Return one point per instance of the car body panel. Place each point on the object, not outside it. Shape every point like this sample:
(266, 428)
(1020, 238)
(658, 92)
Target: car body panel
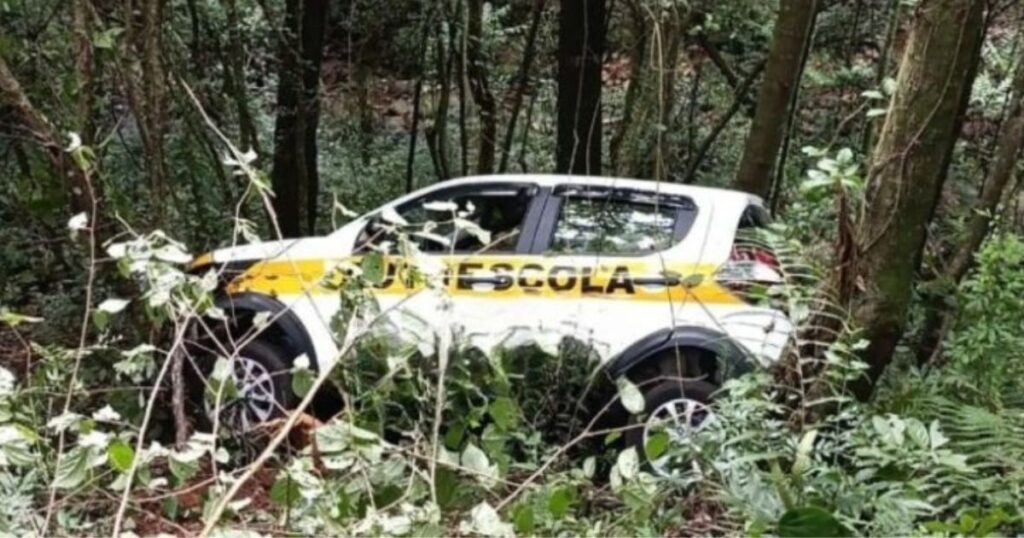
(608, 301)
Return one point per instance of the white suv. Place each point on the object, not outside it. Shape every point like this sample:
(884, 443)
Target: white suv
(649, 274)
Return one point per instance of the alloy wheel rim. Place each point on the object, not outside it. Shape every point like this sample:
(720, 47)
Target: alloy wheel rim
(682, 419)
(255, 401)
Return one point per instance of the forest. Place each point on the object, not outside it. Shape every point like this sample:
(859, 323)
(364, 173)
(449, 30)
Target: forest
(138, 137)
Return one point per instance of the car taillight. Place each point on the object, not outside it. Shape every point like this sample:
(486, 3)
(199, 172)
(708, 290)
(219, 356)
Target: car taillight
(750, 272)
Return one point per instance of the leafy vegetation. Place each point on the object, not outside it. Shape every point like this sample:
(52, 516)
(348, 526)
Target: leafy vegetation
(135, 133)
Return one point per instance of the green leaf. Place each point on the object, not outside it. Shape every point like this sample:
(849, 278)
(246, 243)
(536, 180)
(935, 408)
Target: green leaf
(106, 39)
(476, 461)
(631, 397)
(372, 265)
(692, 281)
(504, 412)
(523, 519)
(120, 456)
(100, 319)
(918, 433)
(446, 487)
(656, 445)
(810, 521)
(453, 437)
(589, 466)
(628, 464)
(803, 453)
(14, 319)
(182, 470)
(302, 382)
(559, 502)
(170, 507)
(285, 491)
(72, 469)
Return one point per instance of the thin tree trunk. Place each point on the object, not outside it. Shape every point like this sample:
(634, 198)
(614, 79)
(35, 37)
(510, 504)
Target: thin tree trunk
(294, 170)
(81, 30)
(463, 83)
(437, 134)
(37, 127)
(154, 89)
(794, 99)
(314, 26)
(728, 72)
(883, 66)
(782, 76)
(581, 39)
(365, 112)
(288, 170)
(642, 150)
(909, 166)
(195, 46)
(235, 69)
(524, 141)
(691, 114)
(476, 70)
(638, 68)
(853, 39)
(737, 102)
(416, 99)
(1007, 154)
(182, 427)
(522, 81)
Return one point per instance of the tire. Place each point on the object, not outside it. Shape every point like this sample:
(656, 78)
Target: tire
(659, 394)
(262, 374)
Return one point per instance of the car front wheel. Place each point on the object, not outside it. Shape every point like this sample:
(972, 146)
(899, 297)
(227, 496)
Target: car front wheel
(260, 389)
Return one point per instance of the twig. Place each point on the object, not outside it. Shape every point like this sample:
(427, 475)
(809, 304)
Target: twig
(82, 336)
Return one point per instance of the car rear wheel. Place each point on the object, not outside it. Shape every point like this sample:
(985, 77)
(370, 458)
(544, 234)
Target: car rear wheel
(675, 410)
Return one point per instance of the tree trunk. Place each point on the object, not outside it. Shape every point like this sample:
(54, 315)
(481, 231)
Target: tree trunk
(909, 166)
(882, 68)
(1008, 151)
(641, 153)
(153, 112)
(781, 77)
(37, 127)
(82, 30)
(741, 93)
(775, 190)
(417, 98)
(294, 171)
(522, 81)
(638, 64)
(478, 86)
(581, 37)
(437, 134)
(235, 71)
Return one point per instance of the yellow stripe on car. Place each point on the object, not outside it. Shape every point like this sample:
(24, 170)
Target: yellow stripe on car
(507, 277)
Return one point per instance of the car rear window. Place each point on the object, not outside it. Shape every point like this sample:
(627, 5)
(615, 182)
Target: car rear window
(618, 222)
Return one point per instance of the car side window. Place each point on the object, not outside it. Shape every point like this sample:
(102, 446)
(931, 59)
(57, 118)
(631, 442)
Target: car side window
(617, 222)
(484, 219)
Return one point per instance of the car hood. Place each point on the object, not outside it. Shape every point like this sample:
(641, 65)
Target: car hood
(295, 249)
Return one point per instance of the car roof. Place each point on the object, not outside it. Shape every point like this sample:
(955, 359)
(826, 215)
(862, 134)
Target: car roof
(550, 180)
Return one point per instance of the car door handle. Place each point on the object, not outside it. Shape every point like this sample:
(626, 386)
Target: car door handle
(667, 279)
(496, 282)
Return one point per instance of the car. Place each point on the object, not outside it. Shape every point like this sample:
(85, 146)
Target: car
(652, 275)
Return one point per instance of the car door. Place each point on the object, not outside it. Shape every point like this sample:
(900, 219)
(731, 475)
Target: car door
(478, 233)
(614, 241)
